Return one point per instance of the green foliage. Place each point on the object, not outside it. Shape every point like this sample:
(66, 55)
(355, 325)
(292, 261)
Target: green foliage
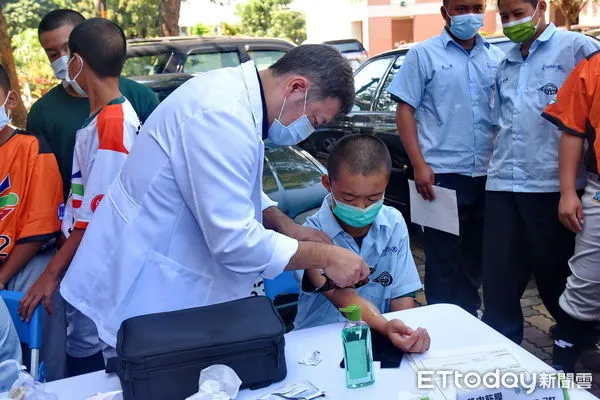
(230, 29)
(138, 18)
(35, 74)
(199, 30)
(25, 14)
(272, 18)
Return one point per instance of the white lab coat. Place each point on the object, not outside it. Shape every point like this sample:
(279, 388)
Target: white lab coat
(181, 225)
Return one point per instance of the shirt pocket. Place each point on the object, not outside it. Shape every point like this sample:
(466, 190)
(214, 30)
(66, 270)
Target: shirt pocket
(162, 285)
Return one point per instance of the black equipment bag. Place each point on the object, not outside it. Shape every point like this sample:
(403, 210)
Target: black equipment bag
(160, 356)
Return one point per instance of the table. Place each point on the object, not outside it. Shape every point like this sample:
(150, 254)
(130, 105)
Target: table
(449, 327)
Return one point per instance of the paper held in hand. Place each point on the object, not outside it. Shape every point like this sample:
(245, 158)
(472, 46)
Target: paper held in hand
(441, 213)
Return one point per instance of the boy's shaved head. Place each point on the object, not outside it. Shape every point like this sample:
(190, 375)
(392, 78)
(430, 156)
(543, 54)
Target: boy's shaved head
(101, 43)
(359, 154)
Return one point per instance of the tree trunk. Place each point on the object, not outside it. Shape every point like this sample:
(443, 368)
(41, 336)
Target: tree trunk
(19, 114)
(169, 17)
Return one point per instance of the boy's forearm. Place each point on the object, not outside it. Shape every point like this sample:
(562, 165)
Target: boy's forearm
(20, 255)
(571, 149)
(341, 298)
(402, 303)
(62, 259)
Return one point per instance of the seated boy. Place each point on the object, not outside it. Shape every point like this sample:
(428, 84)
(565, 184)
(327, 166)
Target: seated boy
(97, 50)
(354, 217)
(31, 204)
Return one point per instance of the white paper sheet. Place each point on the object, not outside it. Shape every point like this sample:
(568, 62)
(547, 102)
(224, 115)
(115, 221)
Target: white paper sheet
(477, 358)
(441, 213)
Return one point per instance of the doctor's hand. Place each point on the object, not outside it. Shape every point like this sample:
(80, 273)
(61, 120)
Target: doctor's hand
(306, 234)
(424, 181)
(345, 268)
(42, 291)
(407, 339)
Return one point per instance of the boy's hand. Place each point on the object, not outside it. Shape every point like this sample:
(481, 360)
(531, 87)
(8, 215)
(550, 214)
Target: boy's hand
(345, 268)
(43, 290)
(570, 212)
(407, 339)
(307, 234)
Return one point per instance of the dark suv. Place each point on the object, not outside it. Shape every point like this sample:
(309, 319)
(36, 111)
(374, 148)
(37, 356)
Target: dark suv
(194, 55)
(374, 113)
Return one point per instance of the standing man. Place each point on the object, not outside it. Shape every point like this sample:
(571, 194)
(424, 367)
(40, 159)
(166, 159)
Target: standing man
(577, 113)
(56, 117)
(444, 120)
(63, 110)
(186, 223)
(522, 232)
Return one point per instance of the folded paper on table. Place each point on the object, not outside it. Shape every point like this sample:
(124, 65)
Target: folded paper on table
(441, 213)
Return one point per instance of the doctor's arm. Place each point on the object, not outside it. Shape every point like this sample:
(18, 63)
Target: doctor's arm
(275, 219)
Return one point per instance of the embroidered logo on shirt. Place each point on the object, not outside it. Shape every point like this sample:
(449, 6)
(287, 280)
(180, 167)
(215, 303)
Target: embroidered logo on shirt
(557, 67)
(390, 250)
(385, 279)
(447, 66)
(597, 197)
(8, 201)
(549, 89)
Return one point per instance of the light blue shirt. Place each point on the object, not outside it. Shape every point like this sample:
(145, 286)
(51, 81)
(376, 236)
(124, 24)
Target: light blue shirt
(450, 90)
(525, 157)
(385, 248)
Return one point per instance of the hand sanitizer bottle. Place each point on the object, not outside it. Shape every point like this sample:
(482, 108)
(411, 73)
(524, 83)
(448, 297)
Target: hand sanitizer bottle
(358, 355)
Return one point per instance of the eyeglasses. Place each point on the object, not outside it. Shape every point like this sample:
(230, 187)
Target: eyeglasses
(308, 287)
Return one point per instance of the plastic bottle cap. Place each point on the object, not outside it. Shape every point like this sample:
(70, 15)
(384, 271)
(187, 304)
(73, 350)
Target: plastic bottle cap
(353, 312)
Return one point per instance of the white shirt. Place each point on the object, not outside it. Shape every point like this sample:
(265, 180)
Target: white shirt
(181, 225)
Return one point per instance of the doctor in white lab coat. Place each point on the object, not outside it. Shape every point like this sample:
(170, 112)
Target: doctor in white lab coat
(186, 223)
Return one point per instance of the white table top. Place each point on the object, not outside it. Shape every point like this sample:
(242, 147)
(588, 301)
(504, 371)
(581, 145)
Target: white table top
(449, 327)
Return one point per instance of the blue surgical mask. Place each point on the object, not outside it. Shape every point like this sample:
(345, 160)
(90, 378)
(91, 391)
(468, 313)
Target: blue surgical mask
(354, 216)
(465, 26)
(73, 81)
(4, 118)
(60, 68)
(294, 133)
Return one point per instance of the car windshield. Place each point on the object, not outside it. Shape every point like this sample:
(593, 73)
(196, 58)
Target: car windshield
(348, 47)
(265, 58)
(146, 64)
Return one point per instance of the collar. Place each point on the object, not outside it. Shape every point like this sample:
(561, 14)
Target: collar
(332, 228)
(447, 39)
(253, 91)
(514, 54)
(265, 122)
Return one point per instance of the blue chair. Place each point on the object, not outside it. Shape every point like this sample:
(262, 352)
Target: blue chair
(29, 333)
(283, 290)
(284, 283)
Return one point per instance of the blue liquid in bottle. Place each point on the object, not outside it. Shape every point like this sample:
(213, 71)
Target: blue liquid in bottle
(358, 356)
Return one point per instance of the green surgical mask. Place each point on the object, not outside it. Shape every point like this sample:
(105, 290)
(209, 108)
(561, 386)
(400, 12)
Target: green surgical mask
(522, 30)
(354, 216)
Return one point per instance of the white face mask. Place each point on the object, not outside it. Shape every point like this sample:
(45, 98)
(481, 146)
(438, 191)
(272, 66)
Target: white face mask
(73, 81)
(4, 118)
(293, 133)
(60, 68)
